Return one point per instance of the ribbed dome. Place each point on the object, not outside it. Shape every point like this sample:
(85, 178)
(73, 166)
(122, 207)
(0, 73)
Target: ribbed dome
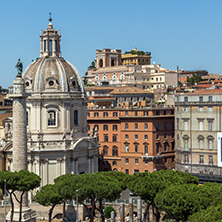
(52, 74)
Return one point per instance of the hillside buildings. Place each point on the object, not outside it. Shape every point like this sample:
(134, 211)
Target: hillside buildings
(110, 70)
(198, 127)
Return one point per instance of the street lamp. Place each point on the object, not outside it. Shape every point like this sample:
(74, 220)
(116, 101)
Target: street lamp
(5, 199)
(77, 206)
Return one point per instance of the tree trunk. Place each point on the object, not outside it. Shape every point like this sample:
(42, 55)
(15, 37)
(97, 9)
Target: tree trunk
(64, 211)
(20, 207)
(101, 211)
(147, 213)
(50, 212)
(92, 211)
(12, 205)
(156, 213)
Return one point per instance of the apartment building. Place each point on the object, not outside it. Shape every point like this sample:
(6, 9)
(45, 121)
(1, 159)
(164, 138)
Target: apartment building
(134, 139)
(198, 127)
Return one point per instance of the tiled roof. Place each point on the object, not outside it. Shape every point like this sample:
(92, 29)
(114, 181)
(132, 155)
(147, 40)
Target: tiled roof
(207, 92)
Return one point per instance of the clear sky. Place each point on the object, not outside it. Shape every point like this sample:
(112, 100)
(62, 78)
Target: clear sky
(187, 33)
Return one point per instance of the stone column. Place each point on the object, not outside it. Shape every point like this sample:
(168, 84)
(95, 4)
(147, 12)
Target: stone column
(77, 167)
(139, 210)
(122, 212)
(112, 216)
(19, 153)
(130, 209)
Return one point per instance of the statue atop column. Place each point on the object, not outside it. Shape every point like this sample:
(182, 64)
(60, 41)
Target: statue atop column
(19, 68)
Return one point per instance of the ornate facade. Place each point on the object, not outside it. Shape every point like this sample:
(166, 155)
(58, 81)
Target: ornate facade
(56, 109)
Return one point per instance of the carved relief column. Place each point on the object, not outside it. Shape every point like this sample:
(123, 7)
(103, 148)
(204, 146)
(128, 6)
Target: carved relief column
(38, 116)
(45, 171)
(77, 166)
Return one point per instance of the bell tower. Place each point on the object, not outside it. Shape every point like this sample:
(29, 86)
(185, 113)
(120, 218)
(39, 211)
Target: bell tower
(50, 41)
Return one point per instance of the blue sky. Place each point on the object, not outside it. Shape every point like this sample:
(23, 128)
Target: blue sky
(187, 33)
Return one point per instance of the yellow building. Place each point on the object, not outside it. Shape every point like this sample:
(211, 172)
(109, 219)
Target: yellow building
(135, 57)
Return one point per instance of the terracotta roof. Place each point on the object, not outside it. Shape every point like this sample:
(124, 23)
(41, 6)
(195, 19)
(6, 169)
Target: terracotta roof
(207, 92)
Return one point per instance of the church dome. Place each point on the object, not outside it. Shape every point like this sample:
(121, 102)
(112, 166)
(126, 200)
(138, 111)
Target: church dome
(51, 72)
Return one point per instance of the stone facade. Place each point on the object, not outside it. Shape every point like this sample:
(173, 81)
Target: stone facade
(198, 119)
(55, 116)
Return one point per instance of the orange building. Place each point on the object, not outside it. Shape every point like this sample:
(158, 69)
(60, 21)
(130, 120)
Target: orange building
(134, 139)
(183, 75)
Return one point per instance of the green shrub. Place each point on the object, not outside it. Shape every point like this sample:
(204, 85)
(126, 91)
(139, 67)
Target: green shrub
(108, 210)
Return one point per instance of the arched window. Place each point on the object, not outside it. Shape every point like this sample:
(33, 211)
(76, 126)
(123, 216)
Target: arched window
(56, 45)
(50, 46)
(100, 63)
(27, 118)
(51, 118)
(114, 127)
(115, 152)
(76, 117)
(44, 45)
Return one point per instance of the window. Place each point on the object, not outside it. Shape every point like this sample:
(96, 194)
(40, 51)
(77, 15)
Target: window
(136, 161)
(210, 109)
(114, 127)
(51, 118)
(127, 171)
(136, 137)
(185, 99)
(146, 150)
(165, 147)
(44, 45)
(185, 109)
(210, 125)
(157, 136)
(136, 126)
(157, 126)
(186, 144)
(126, 137)
(145, 113)
(201, 159)
(126, 148)
(114, 163)
(96, 127)
(105, 152)
(126, 113)
(210, 144)
(165, 126)
(157, 112)
(201, 99)
(201, 143)
(165, 136)
(88, 114)
(145, 126)
(185, 123)
(146, 162)
(96, 114)
(115, 114)
(145, 137)
(157, 148)
(105, 138)
(115, 152)
(105, 114)
(172, 159)
(136, 148)
(200, 125)
(27, 118)
(50, 46)
(210, 160)
(164, 112)
(114, 139)
(126, 160)
(56, 45)
(105, 127)
(210, 98)
(136, 171)
(126, 126)
(201, 109)
(88, 127)
(186, 158)
(136, 113)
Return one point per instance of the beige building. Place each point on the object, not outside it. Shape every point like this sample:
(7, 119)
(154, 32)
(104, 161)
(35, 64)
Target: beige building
(110, 71)
(56, 108)
(198, 123)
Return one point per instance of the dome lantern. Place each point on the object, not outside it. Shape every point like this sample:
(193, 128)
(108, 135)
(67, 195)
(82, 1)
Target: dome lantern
(50, 41)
